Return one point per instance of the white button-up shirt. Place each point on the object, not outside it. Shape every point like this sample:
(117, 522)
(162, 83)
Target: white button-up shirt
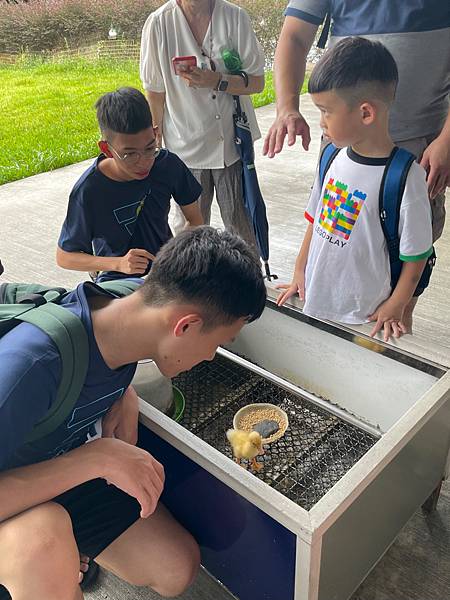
(198, 123)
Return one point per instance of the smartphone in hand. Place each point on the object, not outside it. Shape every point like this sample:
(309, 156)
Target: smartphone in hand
(183, 64)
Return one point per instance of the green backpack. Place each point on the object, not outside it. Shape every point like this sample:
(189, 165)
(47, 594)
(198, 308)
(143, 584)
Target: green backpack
(38, 305)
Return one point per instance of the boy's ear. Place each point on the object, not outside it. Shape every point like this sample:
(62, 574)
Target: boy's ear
(368, 113)
(103, 145)
(187, 323)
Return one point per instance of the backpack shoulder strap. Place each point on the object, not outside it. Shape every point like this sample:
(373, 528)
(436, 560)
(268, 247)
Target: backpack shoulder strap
(390, 200)
(120, 287)
(67, 332)
(329, 153)
(322, 41)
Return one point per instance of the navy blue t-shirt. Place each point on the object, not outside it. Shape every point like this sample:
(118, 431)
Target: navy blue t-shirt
(108, 218)
(30, 371)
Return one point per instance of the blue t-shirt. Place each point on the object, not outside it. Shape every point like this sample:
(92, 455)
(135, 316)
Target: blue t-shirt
(30, 371)
(417, 33)
(107, 217)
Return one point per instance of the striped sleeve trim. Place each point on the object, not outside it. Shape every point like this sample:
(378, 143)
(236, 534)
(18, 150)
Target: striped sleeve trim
(309, 218)
(304, 16)
(417, 257)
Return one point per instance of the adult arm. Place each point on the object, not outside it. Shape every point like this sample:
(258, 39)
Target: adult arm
(135, 261)
(192, 214)
(436, 161)
(156, 102)
(205, 78)
(296, 39)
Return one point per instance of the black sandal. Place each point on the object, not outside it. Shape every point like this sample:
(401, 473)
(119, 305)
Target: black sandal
(89, 578)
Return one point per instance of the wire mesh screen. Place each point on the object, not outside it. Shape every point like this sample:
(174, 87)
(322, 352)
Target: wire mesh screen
(317, 449)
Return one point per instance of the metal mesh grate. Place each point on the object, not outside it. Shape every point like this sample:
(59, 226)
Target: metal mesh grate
(316, 450)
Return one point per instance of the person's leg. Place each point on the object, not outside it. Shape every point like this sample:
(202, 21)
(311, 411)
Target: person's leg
(205, 179)
(229, 194)
(156, 552)
(179, 221)
(39, 557)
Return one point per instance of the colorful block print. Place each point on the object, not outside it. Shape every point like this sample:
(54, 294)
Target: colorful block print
(340, 208)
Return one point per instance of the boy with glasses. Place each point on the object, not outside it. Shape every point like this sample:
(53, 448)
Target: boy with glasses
(117, 218)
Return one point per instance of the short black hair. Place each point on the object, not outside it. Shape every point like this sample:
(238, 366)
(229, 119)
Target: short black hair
(124, 111)
(356, 66)
(212, 269)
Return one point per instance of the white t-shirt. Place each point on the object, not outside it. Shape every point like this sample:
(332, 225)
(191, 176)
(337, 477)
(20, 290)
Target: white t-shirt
(347, 273)
(198, 123)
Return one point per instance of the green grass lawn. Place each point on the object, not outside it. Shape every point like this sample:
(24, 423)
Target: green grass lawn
(47, 117)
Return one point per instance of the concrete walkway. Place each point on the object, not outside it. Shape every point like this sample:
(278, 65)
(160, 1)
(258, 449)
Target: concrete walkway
(32, 211)
(417, 567)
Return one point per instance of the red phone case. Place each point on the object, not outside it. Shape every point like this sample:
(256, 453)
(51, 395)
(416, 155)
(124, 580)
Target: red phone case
(188, 61)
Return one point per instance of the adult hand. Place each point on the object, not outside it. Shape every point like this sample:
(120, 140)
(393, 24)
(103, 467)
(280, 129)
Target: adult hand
(291, 124)
(121, 421)
(135, 261)
(200, 78)
(131, 469)
(389, 318)
(296, 287)
(436, 162)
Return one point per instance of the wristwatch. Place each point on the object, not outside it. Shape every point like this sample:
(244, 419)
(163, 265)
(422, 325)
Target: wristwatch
(223, 84)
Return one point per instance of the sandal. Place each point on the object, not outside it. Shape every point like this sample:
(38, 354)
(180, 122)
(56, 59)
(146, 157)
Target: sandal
(89, 577)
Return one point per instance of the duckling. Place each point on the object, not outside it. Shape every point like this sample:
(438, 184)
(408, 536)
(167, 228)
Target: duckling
(246, 444)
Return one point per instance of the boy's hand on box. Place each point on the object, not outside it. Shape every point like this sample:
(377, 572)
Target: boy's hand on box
(296, 287)
(135, 261)
(388, 317)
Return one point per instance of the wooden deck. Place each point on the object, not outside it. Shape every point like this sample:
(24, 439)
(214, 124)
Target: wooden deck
(417, 567)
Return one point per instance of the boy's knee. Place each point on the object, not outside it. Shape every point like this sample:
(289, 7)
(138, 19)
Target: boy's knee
(182, 572)
(42, 531)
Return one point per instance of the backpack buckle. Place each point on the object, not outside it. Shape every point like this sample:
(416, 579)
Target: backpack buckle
(36, 299)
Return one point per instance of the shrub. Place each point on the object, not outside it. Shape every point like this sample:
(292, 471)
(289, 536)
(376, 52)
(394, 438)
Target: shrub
(42, 25)
(53, 24)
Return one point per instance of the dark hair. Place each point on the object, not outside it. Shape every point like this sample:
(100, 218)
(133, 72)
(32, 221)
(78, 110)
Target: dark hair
(123, 111)
(215, 270)
(356, 65)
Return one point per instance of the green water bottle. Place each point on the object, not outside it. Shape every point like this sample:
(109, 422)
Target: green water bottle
(232, 61)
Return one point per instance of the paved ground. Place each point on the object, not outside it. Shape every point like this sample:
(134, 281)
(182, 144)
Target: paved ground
(417, 567)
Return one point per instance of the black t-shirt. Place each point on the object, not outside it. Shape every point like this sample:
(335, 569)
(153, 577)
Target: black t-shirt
(107, 217)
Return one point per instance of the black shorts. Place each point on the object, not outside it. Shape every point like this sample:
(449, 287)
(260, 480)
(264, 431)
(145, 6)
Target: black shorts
(99, 513)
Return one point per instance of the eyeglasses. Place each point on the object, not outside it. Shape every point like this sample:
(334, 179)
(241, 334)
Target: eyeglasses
(133, 157)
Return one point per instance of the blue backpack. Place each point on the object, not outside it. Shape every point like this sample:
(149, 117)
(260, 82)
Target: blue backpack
(390, 199)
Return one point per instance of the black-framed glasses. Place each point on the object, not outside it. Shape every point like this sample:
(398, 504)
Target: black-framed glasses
(133, 157)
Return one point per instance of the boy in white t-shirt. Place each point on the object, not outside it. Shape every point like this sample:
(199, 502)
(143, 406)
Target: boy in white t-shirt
(343, 272)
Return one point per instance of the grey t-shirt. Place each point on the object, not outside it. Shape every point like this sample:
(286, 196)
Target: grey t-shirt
(417, 33)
